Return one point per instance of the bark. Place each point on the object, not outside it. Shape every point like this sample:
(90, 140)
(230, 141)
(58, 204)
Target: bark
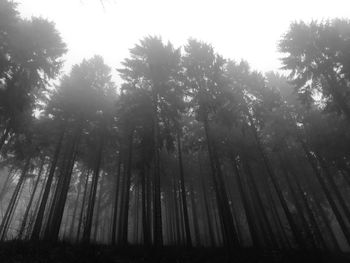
(12, 204)
(37, 205)
(315, 226)
(116, 199)
(194, 216)
(145, 223)
(205, 203)
(183, 194)
(300, 210)
(227, 226)
(97, 217)
(125, 218)
(6, 183)
(44, 199)
(325, 189)
(29, 205)
(82, 206)
(261, 206)
(333, 185)
(93, 190)
(71, 228)
(249, 214)
(298, 237)
(177, 216)
(57, 208)
(157, 212)
(285, 243)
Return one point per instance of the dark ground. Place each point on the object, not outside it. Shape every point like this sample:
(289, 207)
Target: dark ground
(18, 252)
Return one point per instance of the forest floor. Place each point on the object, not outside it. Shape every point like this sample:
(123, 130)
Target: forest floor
(40, 252)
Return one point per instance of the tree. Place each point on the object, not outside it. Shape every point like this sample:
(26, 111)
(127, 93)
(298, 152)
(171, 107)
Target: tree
(318, 58)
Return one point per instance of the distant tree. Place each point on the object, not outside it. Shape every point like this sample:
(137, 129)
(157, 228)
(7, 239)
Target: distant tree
(317, 54)
(30, 55)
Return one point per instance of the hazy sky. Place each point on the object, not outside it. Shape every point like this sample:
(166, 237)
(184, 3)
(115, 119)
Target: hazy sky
(237, 29)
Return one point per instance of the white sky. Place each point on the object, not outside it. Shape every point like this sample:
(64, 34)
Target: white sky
(248, 29)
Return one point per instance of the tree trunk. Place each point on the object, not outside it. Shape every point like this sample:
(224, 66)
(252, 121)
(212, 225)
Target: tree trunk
(298, 237)
(40, 216)
(183, 194)
(177, 216)
(99, 199)
(93, 190)
(299, 210)
(125, 218)
(249, 215)
(10, 208)
(82, 206)
(260, 208)
(60, 196)
(145, 223)
(116, 199)
(194, 216)
(6, 183)
(317, 231)
(157, 207)
(25, 217)
(329, 197)
(71, 228)
(333, 185)
(228, 230)
(205, 203)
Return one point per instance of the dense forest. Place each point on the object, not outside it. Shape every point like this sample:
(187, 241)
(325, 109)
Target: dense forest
(189, 150)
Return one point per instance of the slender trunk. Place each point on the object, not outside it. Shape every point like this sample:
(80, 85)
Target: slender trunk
(99, 199)
(300, 210)
(83, 205)
(145, 223)
(194, 216)
(116, 199)
(10, 208)
(6, 183)
(317, 202)
(228, 230)
(183, 194)
(177, 217)
(122, 204)
(40, 216)
(182, 225)
(149, 203)
(37, 205)
(285, 243)
(25, 217)
(315, 226)
(57, 209)
(92, 197)
(235, 217)
(298, 237)
(333, 185)
(157, 207)
(125, 218)
(249, 215)
(261, 206)
(329, 197)
(206, 207)
(71, 228)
